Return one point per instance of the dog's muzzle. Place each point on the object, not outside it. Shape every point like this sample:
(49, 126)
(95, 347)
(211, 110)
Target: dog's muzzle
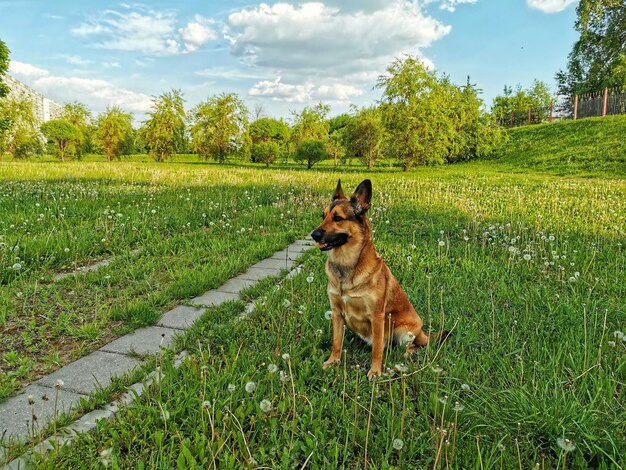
(326, 241)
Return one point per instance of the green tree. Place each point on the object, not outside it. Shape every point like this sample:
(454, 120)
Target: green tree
(64, 137)
(310, 124)
(164, 131)
(265, 152)
(4, 88)
(80, 116)
(415, 120)
(536, 99)
(4, 67)
(598, 58)
(267, 130)
(21, 136)
(114, 131)
(311, 151)
(219, 127)
(363, 136)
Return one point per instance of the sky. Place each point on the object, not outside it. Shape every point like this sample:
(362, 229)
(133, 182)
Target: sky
(278, 57)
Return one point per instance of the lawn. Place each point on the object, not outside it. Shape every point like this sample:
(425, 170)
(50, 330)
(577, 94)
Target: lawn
(527, 270)
(170, 233)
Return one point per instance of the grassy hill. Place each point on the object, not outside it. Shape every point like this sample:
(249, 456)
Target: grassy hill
(587, 147)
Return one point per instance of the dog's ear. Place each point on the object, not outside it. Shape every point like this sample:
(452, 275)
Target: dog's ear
(362, 197)
(339, 192)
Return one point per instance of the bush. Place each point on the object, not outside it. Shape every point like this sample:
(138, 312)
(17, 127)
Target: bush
(311, 151)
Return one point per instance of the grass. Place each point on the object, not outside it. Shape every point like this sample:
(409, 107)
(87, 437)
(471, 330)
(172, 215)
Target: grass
(170, 233)
(526, 269)
(587, 147)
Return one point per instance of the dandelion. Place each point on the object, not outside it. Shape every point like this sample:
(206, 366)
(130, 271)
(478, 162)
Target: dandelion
(67, 250)
(619, 335)
(105, 456)
(465, 387)
(31, 400)
(231, 388)
(266, 406)
(286, 303)
(458, 407)
(398, 444)
(437, 369)
(59, 383)
(442, 243)
(328, 315)
(611, 344)
(407, 338)
(443, 399)
(310, 278)
(286, 357)
(250, 387)
(527, 257)
(206, 404)
(401, 368)
(284, 377)
(153, 211)
(565, 444)
(272, 368)
(16, 266)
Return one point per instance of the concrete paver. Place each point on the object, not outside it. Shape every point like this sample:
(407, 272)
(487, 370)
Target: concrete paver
(16, 413)
(148, 340)
(213, 297)
(89, 373)
(181, 317)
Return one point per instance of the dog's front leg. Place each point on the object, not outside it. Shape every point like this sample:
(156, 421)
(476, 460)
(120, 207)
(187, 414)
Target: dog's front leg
(339, 329)
(378, 343)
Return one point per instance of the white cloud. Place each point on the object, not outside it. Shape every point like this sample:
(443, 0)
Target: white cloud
(278, 91)
(302, 93)
(320, 39)
(450, 5)
(26, 70)
(150, 32)
(96, 94)
(197, 33)
(550, 6)
(76, 60)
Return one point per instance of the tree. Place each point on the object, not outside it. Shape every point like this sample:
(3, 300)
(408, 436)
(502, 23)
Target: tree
(311, 151)
(265, 152)
(415, 120)
(4, 89)
(4, 67)
(219, 127)
(363, 136)
(536, 99)
(598, 58)
(114, 131)
(64, 137)
(20, 136)
(268, 131)
(79, 115)
(310, 124)
(164, 131)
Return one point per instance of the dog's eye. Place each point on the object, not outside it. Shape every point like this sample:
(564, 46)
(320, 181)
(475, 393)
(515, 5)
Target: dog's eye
(337, 218)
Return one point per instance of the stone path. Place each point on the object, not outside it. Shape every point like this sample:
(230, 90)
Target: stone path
(79, 379)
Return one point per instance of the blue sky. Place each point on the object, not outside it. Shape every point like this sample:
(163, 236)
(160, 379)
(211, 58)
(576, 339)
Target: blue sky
(278, 56)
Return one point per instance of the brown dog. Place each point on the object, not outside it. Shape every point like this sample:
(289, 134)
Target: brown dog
(362, 291)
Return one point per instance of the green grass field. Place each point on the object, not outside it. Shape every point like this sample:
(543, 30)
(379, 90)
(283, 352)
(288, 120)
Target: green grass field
(526, 268)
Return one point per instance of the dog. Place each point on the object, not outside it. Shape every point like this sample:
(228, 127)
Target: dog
(363, 292)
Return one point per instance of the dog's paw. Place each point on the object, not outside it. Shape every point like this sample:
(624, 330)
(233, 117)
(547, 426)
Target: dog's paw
(331, 362)
(373, 373)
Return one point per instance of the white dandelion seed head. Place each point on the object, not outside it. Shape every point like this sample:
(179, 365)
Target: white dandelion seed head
(272, 368)
(437, 369)
(286, 356)
(407, 338)
(16, 266)
(611, 344)
(286, 303)
(231, 388)
(442, 243)
(59, 383)
(266, 406)
(398, 444)
(250, 387)
(328, 315)
(619, 335)
(527, 257)
(565, 444)
(458, 407)
(401, 368)
(284, 377)
(465, 387)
